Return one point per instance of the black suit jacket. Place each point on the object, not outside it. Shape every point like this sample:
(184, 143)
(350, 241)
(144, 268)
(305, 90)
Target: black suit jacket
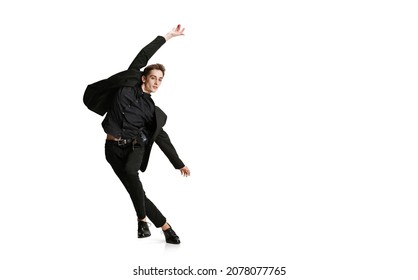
(99, 95)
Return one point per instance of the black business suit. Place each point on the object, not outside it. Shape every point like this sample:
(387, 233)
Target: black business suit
(127, 160)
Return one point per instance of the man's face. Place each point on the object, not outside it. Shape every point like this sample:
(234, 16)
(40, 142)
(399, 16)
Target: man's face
(151, 82)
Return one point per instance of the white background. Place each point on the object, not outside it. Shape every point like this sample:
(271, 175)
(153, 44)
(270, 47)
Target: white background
(297, 119)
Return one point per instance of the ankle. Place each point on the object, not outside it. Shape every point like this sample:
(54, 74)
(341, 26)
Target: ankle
(165, 226)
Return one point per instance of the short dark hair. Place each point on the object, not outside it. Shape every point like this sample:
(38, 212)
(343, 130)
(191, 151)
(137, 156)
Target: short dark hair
(151, 67)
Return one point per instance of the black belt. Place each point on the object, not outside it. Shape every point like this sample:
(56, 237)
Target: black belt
(124, 142)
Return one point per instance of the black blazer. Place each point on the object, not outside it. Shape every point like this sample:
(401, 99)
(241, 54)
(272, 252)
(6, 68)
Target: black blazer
(99, 96)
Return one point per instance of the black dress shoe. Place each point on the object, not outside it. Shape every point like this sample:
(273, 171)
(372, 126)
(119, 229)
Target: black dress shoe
(143, 229)
(171, 236)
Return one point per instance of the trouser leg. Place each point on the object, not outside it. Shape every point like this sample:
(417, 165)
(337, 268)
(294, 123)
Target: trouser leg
(155, 216)
(126, 163)
(132, 182)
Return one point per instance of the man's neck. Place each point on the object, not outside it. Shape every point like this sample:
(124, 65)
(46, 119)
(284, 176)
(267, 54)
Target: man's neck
(143, 90)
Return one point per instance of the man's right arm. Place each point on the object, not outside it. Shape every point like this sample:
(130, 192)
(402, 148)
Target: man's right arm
(149, 50)
(146, 53)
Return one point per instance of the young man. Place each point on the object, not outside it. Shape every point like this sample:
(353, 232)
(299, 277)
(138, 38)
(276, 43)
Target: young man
(132, 124)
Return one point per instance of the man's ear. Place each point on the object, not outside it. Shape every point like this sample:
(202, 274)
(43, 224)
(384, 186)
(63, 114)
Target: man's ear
(143, 78)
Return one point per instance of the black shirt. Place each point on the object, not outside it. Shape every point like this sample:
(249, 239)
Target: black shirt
(132, 111)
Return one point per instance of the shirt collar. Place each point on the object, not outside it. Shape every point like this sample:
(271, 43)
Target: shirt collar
(146, 95)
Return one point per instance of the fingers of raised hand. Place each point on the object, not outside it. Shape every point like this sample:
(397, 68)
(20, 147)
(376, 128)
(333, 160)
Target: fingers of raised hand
(178, 30)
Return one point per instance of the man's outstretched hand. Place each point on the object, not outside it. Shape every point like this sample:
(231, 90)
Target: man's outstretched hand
(176, 31)
(185, 171)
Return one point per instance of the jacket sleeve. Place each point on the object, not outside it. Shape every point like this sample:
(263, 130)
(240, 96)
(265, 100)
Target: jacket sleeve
(163, 141)
(146, 53)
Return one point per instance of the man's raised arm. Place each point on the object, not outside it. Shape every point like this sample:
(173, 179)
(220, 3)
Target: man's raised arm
(141, 60)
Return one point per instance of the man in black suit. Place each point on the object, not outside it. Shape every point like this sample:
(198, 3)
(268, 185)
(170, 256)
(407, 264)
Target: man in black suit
(133, 124)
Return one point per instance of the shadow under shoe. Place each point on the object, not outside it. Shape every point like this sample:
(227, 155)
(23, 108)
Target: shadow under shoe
(143, 229)
(171, 236)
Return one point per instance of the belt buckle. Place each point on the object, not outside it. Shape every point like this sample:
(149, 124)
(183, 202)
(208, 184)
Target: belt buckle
(121, 142)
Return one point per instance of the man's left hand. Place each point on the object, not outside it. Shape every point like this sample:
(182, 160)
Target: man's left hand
(185, 171)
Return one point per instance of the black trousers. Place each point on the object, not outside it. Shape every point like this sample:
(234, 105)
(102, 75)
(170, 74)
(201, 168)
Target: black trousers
(126, 161)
